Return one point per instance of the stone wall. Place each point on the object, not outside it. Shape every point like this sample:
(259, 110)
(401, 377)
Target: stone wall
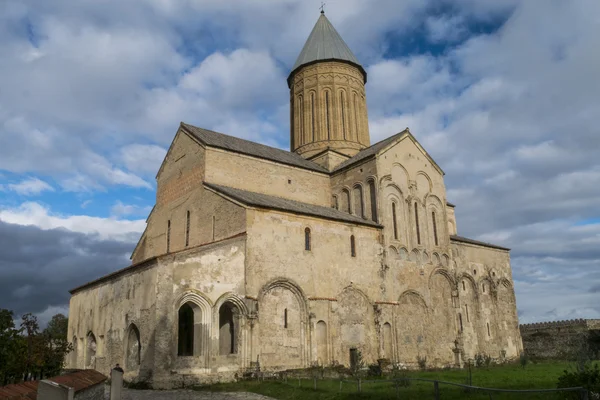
(564, 340)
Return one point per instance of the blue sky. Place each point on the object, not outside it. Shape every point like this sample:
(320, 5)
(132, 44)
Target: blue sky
(92, 93)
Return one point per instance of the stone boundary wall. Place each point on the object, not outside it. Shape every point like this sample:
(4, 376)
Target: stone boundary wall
(566, 340)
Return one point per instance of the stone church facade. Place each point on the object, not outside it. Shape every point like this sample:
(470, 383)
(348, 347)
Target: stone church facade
(254, 255)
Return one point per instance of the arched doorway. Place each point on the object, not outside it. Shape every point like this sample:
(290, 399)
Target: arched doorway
(134, 348)
(228, 328)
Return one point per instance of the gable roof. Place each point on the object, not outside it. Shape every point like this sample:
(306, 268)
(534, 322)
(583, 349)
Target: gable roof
(374, 149)
(278, 203)
(325, 43)
(220, 140)
(79, 380)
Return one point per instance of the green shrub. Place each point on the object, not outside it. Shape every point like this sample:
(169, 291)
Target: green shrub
(374, 370)
(584, 375)
(422, 361)
(523, 360)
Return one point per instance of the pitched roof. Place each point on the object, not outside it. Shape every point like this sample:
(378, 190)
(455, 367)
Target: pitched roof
(325, 43)
(462, 239)
(232, 143)
(78, 380)
(369, 151)
(278, 203)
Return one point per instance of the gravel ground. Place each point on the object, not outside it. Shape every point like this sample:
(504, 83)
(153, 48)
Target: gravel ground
(185, 395)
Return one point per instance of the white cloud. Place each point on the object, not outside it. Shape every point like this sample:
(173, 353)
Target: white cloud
(29, 187)
(35, 214)
(120, 210)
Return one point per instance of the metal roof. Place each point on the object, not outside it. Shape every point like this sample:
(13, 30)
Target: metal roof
(232, 143)
(278, 203)
(462, 239)
(325, 43)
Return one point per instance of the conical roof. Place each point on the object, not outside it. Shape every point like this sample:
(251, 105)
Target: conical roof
(325, 43)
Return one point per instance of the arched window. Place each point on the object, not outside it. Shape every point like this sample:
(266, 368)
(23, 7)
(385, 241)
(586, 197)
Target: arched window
(343, 112)
(488, 326)
(307, 239)
(134, 348)
(346, 199)
(394, 221)
(285, 319)
(460, 321)
(227, 329)
(359, 203)
(336, 204)
(352, 246)
(467, 311)
(435, 235)
(463, 283)
(356, 124)
(417, 223)
(483, 287)
(373, 197)
(301, 119)
(187, 229)
(90, 351)
(185, 344)
(327, 115)
(312, 115)
(168, 236)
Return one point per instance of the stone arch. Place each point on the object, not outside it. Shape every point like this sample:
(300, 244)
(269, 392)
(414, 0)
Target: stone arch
(425, 257)
(358, 200)
(445, 260)
(327, 116)
(435, 259)
(470, 310)
(356, 321)
(507, 320)
(343, 114)
(90, 350)
(230, 311)
(412, 321)
(435, 220)
(322, 347)
(403, 253)
(193, 325)
(443, 321)
(386, 339)
(345, 202)
(393, 253)
(424, 185)
(133, 348)
(283, 329)
(312, 132)
(400, 177)
(415, 256)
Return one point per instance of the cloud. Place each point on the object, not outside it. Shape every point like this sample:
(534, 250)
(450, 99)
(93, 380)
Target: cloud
(35, 214)
(120, 209)
(29, 187)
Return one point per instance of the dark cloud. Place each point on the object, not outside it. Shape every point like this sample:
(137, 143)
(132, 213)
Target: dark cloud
(38, 267)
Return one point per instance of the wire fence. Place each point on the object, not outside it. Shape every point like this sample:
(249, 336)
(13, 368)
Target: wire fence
(421, 388)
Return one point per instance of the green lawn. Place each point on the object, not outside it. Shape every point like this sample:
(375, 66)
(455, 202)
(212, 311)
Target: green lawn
(534, 376)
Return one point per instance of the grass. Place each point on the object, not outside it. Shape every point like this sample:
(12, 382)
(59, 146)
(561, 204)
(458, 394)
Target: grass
(510, 376)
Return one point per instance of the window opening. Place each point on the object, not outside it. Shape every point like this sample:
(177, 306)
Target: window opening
(312, 106)
(464, 288)
(394, 222)
(488, 326)
(307, 239)
(327, 115)
(187, 230)
(343, 115)
(435, 235)
(185, 344)
(285, 319)
(417, 224)
(373, 196)
(460, 321)
(352, 246)
(467, 312)
(168, 235)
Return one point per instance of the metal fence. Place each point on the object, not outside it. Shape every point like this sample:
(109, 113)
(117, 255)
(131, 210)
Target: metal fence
(400, 385)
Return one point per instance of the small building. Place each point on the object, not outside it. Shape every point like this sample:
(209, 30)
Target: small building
(85, 384)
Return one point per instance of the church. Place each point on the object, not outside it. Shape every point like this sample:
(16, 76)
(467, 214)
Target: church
(335, 251)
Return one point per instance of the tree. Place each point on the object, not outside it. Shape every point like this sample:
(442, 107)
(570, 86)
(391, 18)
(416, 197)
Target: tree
(57, 327)
(12, 349)
(57, 344)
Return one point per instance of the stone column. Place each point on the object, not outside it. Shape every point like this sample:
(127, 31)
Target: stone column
(116, 384)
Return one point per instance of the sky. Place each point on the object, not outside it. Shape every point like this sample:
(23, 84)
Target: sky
(504, 95)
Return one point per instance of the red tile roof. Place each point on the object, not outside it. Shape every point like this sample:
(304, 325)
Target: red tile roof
(78, 380)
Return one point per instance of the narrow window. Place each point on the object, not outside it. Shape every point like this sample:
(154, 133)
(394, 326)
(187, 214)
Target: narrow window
(336, 204)
(417, 223)
(356, 114)
(359, 208)
(394, 222)
(213, 228)
(301, 117)
(342, 107)
(327, 115)
(467, 312)
(464, 288)
(373, 196)
(285, 318)
(307, 239)
(460, 321)
(187, 230)
(435, 236)
(312, 114)
(483, 287)
(488, 326)
(168, 235)
(347, 200)
(352, 246)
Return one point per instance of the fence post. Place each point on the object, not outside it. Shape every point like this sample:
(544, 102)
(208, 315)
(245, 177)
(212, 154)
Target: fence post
(436, 390)
(341, 381)
(359, 386)
(315, 383)
(397, 389)
(298, 382)
(584, 394)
